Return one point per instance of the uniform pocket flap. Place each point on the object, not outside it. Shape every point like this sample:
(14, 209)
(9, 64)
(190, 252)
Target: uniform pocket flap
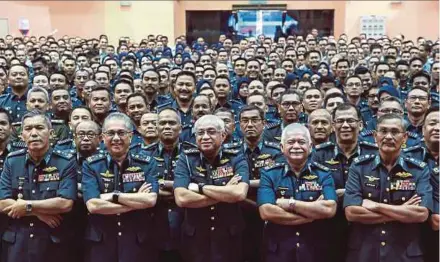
(9, 236)
(93, 234)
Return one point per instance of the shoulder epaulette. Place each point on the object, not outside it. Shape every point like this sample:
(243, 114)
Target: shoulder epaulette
(17, 153)
(275, 166)
(141, 157)
(272, 144)
(19, 144)
(367, 132)
(232, 145)
(187, 144)
(363, 158)
(413, 148)
(187, 126)
(57, 121)
(324, 145)
(191, 151)
(366, 143)
(63, 154)
(416, 162)
(164, 105)
(322, 167)
(65, 141)
(3, 96)
(365, 109)
(231, 151)
(95, 158)
(413, 135)
(273, 125)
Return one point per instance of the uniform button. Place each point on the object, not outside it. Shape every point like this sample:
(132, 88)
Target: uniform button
(369, 194)
(297, 244)
(31, 235)
(33, 191)
(119, 223)
(47, 189)
(119, 233)
(213, 207)
(385, 200)
(31, 224)
(383, 232)
(311, 198)
(212, 218)
(388, 178)
(297, 191)
(169, 210)
(134, 189)
(212, 228)
(403, 198)
(297, 233)
(382, 244)
(20, 188)
(118, 214)
(388, 190)
(223, 183)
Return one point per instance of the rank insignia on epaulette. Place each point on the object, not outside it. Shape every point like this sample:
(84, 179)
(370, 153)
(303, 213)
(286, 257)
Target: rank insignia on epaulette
(200, 169)
(107, 174)
(372, 178)
(134, 168)
(159, 159)
(332, 162)
(403, 174)
(263, 156)
(403, 146)
(435, 170)
(310, 177)
(224, 161)
(50, 169)
(278, 138)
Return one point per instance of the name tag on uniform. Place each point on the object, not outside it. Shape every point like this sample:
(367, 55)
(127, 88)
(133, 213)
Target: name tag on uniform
(403, 185)
(133, 177)
(310, 186)
(49, 177)
(223, 171)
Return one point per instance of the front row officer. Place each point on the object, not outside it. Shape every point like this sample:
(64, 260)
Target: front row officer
(37, 189)
(297, 199)
(209, 181)
(387, 198)
(119, 191)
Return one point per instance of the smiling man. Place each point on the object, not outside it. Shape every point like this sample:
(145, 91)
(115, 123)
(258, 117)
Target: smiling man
(37, 188)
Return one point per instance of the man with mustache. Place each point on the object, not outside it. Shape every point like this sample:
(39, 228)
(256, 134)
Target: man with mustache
(297, 199)
(209, 181)
(183, 91)
(168, 215)
(77, 115)
(338, 156)
(201, 106)
(15, 101)
(61, 105)
(387, 198)
(151, 82)
(120, 190)
(100, 104)
(320, 126)
(122, 89)
(136, 107)
(428, 152)
(222, 88)
(370, 112)
(37, 190)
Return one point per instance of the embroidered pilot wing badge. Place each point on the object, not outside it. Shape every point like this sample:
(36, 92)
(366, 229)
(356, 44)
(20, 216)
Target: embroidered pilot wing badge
(332, 162)
(133, 169)
(200, 169)
(403, 174)
(49, 169)
(224, 161)
(107, 174)
(264, 156)
(372, 178)
(310, 177)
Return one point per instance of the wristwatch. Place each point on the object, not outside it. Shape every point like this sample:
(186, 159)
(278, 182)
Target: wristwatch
(28, 207)
(201, 185)
(292, 202)
(115, 198)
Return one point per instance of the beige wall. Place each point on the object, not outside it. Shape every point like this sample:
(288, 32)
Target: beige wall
(92, 18)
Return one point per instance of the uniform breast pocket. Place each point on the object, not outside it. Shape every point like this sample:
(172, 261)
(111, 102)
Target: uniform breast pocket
(310, 190)
(371, 190)
(48, 189)
(284, 192)
(221, 181)
(132, 187)
(310, 195)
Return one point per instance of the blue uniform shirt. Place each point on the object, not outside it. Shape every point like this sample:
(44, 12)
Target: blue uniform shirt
(16, 106)
(211, 233)
(28, 238)
(369, 179)
(124, 237)
(185, 117)
(306, 242)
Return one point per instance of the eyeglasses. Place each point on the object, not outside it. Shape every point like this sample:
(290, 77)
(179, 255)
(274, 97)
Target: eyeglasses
(89, 135)
(341, 121)
(287, 105)
(120, 133)
(414, 98)
(393, 132)
(209, 132)
(391, 111)
(331, 104)
(250, 120)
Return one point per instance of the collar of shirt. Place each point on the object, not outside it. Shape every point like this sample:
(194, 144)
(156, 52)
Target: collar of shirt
(45, 159)
(15, 97)
(399, 162)
(216, 160)
(260, 146)
(125, 164)
(338, 152)
(305, 170)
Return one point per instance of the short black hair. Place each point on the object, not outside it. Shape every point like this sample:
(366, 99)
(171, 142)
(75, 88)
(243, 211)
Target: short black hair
(137, 95)
(8, 115)
(334, 95)
(80, 107)
(252, 108)
(344, 107)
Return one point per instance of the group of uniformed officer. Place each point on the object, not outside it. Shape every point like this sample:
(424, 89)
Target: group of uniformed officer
(167, 165)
